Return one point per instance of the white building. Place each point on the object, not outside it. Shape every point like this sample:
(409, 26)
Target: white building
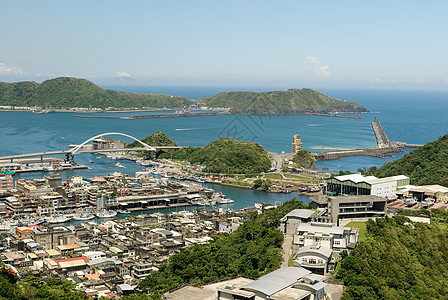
(357, 184)
(320, 245)
(289, 223)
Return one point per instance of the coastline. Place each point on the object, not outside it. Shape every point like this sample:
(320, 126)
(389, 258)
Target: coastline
(218, 112)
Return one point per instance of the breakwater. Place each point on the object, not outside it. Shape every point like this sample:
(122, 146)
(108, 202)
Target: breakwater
(175, 115)
(385, 148)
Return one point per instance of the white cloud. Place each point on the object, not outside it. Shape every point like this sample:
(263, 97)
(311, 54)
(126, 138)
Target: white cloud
(312, 60)
(5, 69)
(446, 79)
(122, 75)
(320, 71)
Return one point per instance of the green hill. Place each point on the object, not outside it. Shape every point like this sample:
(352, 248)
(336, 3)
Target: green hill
(280, 102)
(66, 92)
(227, 155)
(304, 159)
(424, 165)
(157, 139)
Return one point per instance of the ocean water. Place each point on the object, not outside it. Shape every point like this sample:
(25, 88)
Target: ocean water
(415, 117)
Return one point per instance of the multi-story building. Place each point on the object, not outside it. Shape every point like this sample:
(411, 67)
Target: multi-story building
(296, 144)
(49, 238)
(326, 235)
(6, 180)
(289, 223)
(321, 244)
(141, 269)
(350, 206)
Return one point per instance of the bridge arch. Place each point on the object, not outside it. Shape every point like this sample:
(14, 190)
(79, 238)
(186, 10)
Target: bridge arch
(79, 147)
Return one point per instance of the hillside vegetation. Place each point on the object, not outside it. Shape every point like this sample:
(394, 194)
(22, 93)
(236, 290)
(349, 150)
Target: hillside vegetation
(66, 92)
(424, 165)
(157, 139)
(253, 250)
(303, 159)
(36, 288)
(228, 156)
(280, 102)
(397, 261)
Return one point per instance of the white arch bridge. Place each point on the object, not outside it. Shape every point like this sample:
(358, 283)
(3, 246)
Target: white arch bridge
(81, 148)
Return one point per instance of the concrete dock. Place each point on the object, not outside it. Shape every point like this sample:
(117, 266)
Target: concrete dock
(385, 147)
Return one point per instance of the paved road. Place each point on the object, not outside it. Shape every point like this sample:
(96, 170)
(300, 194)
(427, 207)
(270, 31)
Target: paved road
(287, 243)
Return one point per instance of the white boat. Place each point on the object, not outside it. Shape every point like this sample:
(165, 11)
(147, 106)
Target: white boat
(123, 211)
(56, 219)
(104, 214)
(391, 198)
(225, 201)
(83, 217)
(119, 165)
(428, 202)
(410, 201)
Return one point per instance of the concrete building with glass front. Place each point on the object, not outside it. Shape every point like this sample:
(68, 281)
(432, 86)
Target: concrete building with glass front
(357, 184)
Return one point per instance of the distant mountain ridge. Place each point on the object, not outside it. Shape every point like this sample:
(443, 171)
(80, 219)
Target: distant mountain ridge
(280, 102)
(68, 92)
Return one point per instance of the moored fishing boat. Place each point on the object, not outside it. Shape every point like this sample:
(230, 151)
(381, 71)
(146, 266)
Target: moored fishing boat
(83, 217)
(105, 214)
(56, 219)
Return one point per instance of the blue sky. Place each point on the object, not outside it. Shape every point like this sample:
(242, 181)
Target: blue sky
(290, 44)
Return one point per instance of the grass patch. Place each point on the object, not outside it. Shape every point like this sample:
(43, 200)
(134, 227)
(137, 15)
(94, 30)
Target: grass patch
(291, 260)
(273, 176)
(362, 229)
(301, 179)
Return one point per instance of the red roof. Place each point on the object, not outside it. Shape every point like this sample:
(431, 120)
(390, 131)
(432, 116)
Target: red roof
(84, 258)
(98, 179)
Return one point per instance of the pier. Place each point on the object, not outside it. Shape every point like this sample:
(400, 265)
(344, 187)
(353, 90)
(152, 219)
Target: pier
(384, 147)
(381, 138)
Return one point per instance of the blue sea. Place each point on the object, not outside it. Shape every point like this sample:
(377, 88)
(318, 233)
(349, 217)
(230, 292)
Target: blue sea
(415, 117)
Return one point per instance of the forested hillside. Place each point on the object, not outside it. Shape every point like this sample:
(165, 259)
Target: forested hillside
(35, 288)
(398, 261)
(66, 92)
(424, 165)
(157, 139)
(279, 102)
(228, 156)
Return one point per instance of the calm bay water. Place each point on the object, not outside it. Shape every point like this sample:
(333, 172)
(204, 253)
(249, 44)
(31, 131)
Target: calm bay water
(408, 116)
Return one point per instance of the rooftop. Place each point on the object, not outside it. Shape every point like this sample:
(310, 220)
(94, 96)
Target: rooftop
(300, 213)
(277, 280)
(324, 228)
(326, 252)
